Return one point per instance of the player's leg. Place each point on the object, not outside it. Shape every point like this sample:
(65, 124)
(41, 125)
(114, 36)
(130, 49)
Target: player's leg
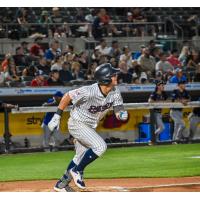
(194, 121)
(181, 125)
(63, 183)
(159, 123)
(95, 144)
(173, 115)
(46, 136)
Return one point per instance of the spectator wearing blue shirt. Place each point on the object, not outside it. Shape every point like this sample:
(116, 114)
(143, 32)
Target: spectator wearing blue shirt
(49, 137)
(53, 51)
(178, 76)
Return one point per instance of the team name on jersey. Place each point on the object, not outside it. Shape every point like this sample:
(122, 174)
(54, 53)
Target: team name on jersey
(95, 109)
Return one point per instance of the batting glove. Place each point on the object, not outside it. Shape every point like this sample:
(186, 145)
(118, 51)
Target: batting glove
(123, 115)
(55, 122)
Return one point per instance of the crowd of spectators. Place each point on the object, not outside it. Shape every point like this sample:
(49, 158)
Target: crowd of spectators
(22, 22)
(32, 65)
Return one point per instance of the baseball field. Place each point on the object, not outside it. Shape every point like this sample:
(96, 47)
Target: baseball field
(148, 168)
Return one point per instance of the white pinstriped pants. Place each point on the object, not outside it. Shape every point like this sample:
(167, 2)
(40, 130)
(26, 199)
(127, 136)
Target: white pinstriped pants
(86, 137)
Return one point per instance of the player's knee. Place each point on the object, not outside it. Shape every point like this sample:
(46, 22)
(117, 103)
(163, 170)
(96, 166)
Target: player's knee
(100, 149)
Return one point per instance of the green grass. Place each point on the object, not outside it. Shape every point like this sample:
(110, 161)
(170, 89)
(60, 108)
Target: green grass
(154, 161)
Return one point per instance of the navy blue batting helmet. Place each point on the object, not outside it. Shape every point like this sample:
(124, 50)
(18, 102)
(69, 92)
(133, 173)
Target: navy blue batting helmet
(104, 72)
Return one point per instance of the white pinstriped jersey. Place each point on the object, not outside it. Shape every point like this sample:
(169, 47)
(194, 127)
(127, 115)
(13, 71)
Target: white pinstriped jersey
(90, 105)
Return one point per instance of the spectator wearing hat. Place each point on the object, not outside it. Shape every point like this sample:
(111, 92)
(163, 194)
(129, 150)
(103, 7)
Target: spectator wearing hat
(44, 20)
(178, 76)
(159, 95)
(39, 80)
(54, 79)
(173, 59)
(179, 95)
(51, 140)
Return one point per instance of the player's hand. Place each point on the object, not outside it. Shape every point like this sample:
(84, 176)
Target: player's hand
(55, 122)
(122, 115)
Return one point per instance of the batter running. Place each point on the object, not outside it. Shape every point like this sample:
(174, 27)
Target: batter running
(90, 104)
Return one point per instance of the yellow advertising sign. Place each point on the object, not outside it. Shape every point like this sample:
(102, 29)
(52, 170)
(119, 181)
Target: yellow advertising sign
(30, 123)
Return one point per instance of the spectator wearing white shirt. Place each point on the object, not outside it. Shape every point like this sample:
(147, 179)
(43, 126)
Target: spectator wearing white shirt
(126, 56)
(103, 48)
(57, 64)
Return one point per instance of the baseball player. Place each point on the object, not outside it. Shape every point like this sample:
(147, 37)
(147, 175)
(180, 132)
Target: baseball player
(159, 95)
(90, 104)
(179, 95)
(194, 119)
(49, 135)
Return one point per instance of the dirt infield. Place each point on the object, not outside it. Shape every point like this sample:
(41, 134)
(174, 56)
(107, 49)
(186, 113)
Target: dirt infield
(187, 184)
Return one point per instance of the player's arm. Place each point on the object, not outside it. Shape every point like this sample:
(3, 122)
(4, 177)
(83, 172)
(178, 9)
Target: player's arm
(55, 121)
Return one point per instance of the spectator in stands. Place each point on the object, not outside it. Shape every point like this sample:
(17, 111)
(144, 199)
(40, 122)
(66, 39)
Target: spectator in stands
(193, 64)
(156, 53)
(77, 74)
(97, 27)
(127, 29)
(164, 66)
(137, 54)
(36, 49)
(105, 20)
(183, 57)
(39, 79)
(196, 77)
(138, 30)
(113, 62)
(54, 79)
(91, 70)
(65, 73)
(83, 60)
(53, 51)
(147, 62)
(173, 59)
(151, 46)
(19, 57)
(11, 71)
(126, 56)
(124, 76)
(96, 55)
(42, 65)
(24, 46)
(103, 48)
(44, 20)
(115, 50)
(57, 63)
(22, 20)
(56, 16)
(4, 64)
(30, 70)
(178, 76)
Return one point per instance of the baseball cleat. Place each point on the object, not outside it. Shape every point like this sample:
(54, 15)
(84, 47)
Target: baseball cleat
(77, 178)
(67, 188)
